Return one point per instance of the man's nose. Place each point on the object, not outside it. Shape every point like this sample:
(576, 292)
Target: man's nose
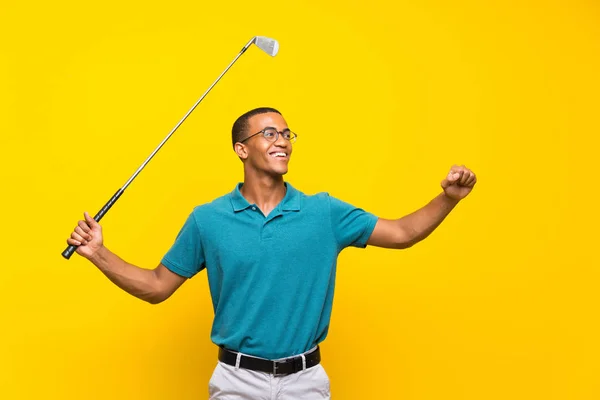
(281, 142)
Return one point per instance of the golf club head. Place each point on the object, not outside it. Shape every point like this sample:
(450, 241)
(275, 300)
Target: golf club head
(268, 45)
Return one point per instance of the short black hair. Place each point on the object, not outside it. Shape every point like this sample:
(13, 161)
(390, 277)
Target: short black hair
(241, 124)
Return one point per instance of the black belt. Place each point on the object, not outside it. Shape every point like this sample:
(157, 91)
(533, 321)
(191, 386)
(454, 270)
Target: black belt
(282, 367)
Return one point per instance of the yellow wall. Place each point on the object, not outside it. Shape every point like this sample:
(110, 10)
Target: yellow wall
(501, 302)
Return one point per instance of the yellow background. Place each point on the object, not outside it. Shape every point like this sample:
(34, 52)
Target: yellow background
(501, 302)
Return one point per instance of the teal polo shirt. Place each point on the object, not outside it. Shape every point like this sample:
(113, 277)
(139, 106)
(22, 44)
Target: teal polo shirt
(272, 277)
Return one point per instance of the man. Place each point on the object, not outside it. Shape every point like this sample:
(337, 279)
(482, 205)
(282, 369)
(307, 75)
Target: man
(270, 252)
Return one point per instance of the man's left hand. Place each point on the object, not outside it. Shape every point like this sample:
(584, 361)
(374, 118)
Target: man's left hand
(459, 182)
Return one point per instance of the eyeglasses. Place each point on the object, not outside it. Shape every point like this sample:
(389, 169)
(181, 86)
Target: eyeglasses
(272, 135)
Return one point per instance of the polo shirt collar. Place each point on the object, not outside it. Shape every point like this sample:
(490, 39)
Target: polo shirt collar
(290, 202)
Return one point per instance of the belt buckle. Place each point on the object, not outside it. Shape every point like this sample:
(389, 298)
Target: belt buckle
(275, 369)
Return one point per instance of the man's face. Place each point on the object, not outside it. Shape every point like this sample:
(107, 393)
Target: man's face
(271, 157)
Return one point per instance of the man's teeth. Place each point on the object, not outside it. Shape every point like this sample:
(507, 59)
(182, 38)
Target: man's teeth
(279, 155)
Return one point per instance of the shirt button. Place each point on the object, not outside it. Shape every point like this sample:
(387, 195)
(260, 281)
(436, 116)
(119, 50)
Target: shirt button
(254, 208)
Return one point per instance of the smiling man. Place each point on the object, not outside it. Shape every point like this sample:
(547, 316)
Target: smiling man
(270, 252)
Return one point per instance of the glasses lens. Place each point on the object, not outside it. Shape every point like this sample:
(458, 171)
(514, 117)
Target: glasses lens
(270, 134)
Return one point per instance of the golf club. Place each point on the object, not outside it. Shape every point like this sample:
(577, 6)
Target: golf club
(268, 45)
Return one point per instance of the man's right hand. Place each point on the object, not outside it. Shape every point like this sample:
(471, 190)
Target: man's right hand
(87, 235)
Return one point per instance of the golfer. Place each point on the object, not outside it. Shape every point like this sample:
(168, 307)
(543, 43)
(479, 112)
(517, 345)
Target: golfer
(270, 252)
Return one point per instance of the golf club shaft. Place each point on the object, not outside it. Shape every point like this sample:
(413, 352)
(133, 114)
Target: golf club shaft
(68, 252)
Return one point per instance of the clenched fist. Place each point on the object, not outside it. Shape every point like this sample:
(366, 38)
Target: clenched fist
(459, 182)
(87, 236)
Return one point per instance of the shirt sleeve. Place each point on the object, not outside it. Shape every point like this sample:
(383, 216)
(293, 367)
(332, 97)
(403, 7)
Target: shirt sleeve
(351, 226)
(186, 256)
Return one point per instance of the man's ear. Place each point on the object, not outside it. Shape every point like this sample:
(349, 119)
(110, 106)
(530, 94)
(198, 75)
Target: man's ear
(241, 150)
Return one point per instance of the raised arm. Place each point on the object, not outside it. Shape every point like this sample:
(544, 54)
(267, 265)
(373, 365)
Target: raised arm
(412, 228)
(151, 285)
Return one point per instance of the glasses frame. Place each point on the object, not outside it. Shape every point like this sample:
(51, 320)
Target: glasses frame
(292, 138)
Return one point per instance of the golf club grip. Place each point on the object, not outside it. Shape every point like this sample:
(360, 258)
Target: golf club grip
(71, 249)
